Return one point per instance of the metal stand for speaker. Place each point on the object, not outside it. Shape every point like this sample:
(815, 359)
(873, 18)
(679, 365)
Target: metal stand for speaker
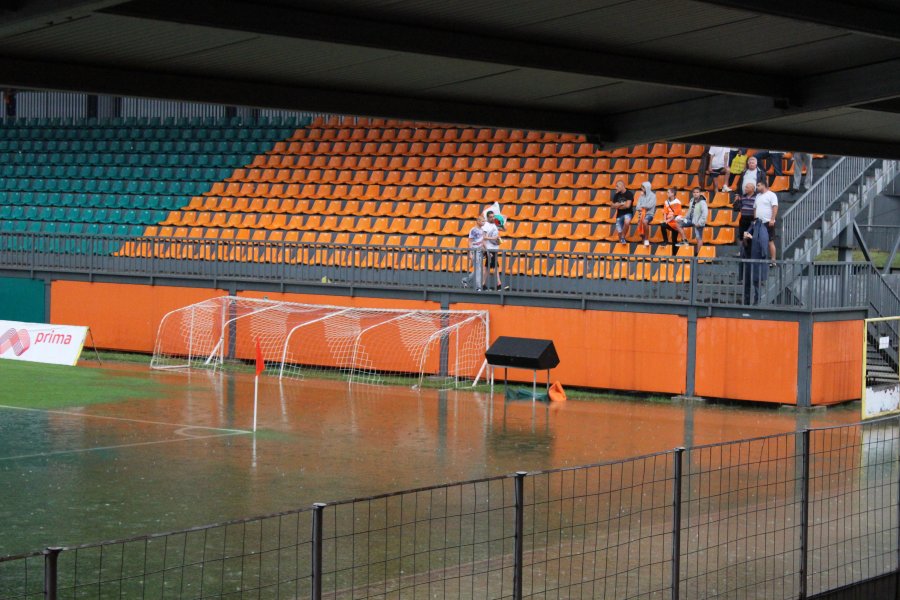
(533, 382)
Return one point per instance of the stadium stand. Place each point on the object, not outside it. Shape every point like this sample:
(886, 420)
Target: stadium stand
(333, 181)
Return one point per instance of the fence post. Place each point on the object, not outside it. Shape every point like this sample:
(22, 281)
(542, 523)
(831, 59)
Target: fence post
(804, 512)
(318, 508)
(676, 523)
(519, 535)
(51, 559)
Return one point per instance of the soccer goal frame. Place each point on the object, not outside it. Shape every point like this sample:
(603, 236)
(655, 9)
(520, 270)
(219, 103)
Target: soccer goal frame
(441, 348)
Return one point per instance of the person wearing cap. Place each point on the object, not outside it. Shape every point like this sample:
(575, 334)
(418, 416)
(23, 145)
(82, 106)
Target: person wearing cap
(623, 202)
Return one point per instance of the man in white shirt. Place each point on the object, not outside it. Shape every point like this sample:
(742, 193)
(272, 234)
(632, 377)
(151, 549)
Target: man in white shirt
(766, 211)
(476, 250)
(719, 167)
(491, 248)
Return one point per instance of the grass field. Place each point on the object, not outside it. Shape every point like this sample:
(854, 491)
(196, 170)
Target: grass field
(36, 385)
(879, 257)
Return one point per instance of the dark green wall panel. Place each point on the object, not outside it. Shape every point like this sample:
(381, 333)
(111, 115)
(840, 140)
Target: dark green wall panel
(22, 300)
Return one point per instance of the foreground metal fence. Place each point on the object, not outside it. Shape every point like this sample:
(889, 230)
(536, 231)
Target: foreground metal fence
(797, 515)
(685, 280)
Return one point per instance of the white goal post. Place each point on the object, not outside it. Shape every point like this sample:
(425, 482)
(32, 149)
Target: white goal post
(363, 345)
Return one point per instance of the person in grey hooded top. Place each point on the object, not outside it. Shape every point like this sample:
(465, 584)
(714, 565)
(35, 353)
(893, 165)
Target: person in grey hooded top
(644, 211)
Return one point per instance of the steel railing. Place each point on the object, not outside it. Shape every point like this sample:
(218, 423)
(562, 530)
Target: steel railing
(633, 277)
(821, 197)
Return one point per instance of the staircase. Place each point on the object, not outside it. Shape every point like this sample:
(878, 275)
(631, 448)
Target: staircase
(818, 216)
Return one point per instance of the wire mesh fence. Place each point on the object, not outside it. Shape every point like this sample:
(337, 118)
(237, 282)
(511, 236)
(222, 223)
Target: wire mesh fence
(797, 515)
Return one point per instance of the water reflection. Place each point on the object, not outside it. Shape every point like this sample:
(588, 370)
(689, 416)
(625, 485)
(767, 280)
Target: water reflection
(75, 476)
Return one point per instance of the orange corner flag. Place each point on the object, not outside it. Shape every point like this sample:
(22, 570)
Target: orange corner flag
(260, 365)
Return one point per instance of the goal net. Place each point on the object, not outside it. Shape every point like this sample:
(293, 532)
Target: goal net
(443, 348)
(881, 367)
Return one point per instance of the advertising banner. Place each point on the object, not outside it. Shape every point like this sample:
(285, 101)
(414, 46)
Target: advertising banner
(40, 342)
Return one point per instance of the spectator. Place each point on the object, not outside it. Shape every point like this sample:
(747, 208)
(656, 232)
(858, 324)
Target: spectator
(623, 202)
(646, 208)
(766, 211)
(745, 205)
(476, 250)
(737, 159)
(802, 159)
(671, 212)
(491, 250)
(756, 240)
(697, 213)
(752, 174)
(770, 159)
(717, 173)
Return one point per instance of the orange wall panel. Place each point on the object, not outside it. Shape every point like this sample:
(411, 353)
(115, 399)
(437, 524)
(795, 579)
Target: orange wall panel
(121, 316)
(836, 361)
(602, 349)
(744, 359)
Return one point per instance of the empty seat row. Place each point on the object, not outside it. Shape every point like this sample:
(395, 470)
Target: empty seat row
(61, 171)
(75, 229)
(466, 179)
(106, 186)
(265, 167)
(521, 149)
(162, 202)
(123, 160)
(81, 215)
(144, 146)
(155, 122)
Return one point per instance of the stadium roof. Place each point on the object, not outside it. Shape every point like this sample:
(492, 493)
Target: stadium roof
(818, 75)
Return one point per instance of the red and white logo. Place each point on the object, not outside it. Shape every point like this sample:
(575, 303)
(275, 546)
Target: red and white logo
(17, 341)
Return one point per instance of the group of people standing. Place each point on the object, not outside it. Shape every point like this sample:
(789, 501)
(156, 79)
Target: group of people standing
(754, 203)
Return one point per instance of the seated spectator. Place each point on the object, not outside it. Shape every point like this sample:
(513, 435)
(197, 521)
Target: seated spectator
(745, 205)
(717, 173)
(671, 212)
(770, 160)
(646, 208)
(623, 202)
(697, 213)
(752, 174)
(802, 159)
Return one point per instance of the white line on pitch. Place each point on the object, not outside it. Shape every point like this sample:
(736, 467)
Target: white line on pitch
(183, 439)
(77, 414)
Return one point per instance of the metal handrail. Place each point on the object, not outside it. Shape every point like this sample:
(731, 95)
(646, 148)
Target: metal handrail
(815, 203)
(700, 281)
